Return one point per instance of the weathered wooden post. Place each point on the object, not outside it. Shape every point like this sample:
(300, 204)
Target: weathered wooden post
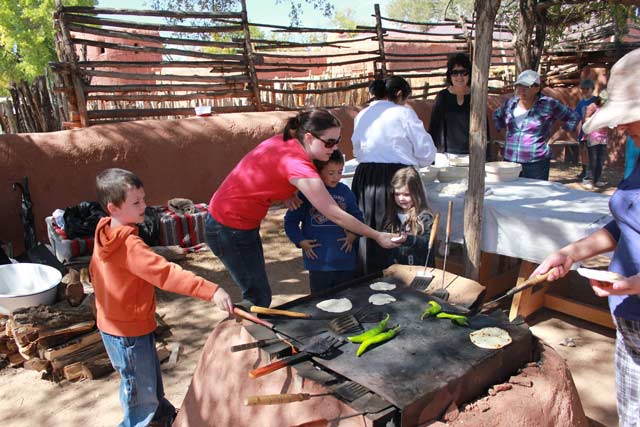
(474, 200)
(380, 33)
(250, 58)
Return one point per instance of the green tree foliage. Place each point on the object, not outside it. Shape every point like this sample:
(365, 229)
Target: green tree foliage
(345, 19)
(428, 10)
(295, 11)
(27, 37)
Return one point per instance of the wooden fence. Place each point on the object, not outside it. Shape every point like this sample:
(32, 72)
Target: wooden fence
(257, 74)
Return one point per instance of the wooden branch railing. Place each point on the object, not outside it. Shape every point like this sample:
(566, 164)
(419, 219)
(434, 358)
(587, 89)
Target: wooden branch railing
(268, 74)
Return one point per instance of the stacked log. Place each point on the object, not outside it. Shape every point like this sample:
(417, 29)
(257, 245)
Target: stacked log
(61, 341)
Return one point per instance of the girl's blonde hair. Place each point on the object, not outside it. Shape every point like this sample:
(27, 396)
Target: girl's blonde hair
(406, 176)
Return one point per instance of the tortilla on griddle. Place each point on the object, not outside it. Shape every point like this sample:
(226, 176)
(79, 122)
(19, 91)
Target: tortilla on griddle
(491, 338)
(382, 286)
(381, 299)
(339, 305)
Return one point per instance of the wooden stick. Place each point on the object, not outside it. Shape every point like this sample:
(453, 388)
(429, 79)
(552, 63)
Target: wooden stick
(151, 49)
(160, 13)
(228, 64)
(166, 77)
(160, 87)
(182, 97)
(73, 345)
(148, 38)
(153, 27)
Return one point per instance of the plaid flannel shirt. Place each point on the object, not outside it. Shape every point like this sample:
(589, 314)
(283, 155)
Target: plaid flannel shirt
(528, 143)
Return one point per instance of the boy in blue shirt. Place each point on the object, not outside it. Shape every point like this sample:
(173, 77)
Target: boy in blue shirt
(327, 248)
(586, 91)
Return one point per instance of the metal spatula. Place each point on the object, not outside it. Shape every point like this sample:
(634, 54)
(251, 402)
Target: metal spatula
(348, 391)
(421, 282)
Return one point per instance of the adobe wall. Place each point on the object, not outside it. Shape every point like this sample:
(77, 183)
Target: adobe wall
(175, 158)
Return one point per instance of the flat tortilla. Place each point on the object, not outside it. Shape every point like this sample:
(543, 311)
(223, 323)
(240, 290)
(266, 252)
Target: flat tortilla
(600, 275)
(382, 286)
(381, 299)
(339, 305)
(491, 338)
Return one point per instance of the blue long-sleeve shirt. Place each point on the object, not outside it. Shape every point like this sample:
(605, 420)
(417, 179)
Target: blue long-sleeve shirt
(625, 229)
(307, 223)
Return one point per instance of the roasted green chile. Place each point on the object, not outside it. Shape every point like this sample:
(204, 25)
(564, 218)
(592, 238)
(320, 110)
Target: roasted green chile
(433, 309)
(377, 339)
(380, 327)
(455, 318)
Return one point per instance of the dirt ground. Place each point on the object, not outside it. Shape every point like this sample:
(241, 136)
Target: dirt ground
(28, 401)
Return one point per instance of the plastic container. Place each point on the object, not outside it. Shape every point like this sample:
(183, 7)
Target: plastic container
(26, 285)
(452, 173)
(428, 174)
(502, 171)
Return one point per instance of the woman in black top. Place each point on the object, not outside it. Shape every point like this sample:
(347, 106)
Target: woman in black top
(449, 124)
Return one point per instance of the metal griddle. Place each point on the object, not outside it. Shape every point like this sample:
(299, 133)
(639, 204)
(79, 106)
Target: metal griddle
(428, 364)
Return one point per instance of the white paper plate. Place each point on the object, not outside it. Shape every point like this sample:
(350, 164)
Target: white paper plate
(600, 275)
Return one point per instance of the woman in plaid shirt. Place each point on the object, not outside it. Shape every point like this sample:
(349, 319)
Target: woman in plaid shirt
(528, 118)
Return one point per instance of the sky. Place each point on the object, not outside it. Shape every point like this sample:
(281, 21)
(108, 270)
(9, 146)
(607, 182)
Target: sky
(268, 12)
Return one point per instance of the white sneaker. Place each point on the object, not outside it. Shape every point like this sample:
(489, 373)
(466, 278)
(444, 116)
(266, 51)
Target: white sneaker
(588, 185)
(600, 184)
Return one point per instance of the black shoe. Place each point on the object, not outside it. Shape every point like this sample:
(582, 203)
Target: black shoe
(582, 174)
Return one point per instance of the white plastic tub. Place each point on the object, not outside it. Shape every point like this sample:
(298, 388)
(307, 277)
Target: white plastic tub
(452, 173)
(428, 174)
(502, 171)
(26, 285)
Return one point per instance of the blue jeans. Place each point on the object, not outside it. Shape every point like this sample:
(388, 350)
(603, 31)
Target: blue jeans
(320, 281)
(241, 253)
(536, 170)
(141, 390)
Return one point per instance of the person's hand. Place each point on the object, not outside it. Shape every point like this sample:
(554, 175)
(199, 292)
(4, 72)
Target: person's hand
(560, 260)
(385, 240)
(348, 240)
(222, 299)
(307, 247)
(591, 108)
(293, 202)
(628, 286)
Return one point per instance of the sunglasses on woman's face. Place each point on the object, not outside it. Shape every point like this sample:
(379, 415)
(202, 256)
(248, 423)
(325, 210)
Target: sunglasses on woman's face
(328, 143)
(459, 73)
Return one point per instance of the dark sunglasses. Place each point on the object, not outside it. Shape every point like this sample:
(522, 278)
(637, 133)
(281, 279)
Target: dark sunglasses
(459, 73)
(328, 143)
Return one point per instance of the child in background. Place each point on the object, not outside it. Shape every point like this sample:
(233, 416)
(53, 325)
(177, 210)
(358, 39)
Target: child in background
(408, 214)
(124, 271)
(596, 144)
(586, 92)
(327, 249)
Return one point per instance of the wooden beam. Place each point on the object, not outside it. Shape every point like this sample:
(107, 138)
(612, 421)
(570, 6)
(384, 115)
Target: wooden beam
(167, 77)
(159, 13)
(158, 112)
(153, 27)
(380, 38)
(180, 97)
(77, 28)
(151, 49)
(160, 87)
(582, 311)
(250, 57)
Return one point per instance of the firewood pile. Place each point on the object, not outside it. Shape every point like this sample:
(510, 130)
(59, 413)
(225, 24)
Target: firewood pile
(61, 341)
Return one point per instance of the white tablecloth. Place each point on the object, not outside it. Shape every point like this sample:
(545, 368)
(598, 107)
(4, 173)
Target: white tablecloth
(526, 218)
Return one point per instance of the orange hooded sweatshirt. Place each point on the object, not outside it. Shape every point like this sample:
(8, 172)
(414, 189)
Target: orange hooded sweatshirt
(124, 271)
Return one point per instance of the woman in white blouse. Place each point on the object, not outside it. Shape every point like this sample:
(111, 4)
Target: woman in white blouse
(387, 136)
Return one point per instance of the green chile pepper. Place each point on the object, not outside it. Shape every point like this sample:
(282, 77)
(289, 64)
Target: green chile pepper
(371, 332)
(380, 338)
(455, 318)
(433, 309)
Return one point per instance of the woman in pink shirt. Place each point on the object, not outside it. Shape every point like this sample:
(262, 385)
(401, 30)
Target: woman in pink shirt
(274, 171)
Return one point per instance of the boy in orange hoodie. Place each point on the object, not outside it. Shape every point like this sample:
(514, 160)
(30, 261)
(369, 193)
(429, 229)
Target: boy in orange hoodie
(124, 271)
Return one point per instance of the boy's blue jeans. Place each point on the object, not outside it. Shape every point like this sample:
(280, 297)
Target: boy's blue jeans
(241, 253)
(141, 390)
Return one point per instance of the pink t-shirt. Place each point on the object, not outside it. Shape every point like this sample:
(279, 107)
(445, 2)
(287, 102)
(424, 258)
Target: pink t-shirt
(259, 179)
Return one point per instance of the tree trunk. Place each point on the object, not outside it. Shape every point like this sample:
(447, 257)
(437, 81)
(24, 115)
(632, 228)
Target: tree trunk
(528, 49)
(473, 207)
